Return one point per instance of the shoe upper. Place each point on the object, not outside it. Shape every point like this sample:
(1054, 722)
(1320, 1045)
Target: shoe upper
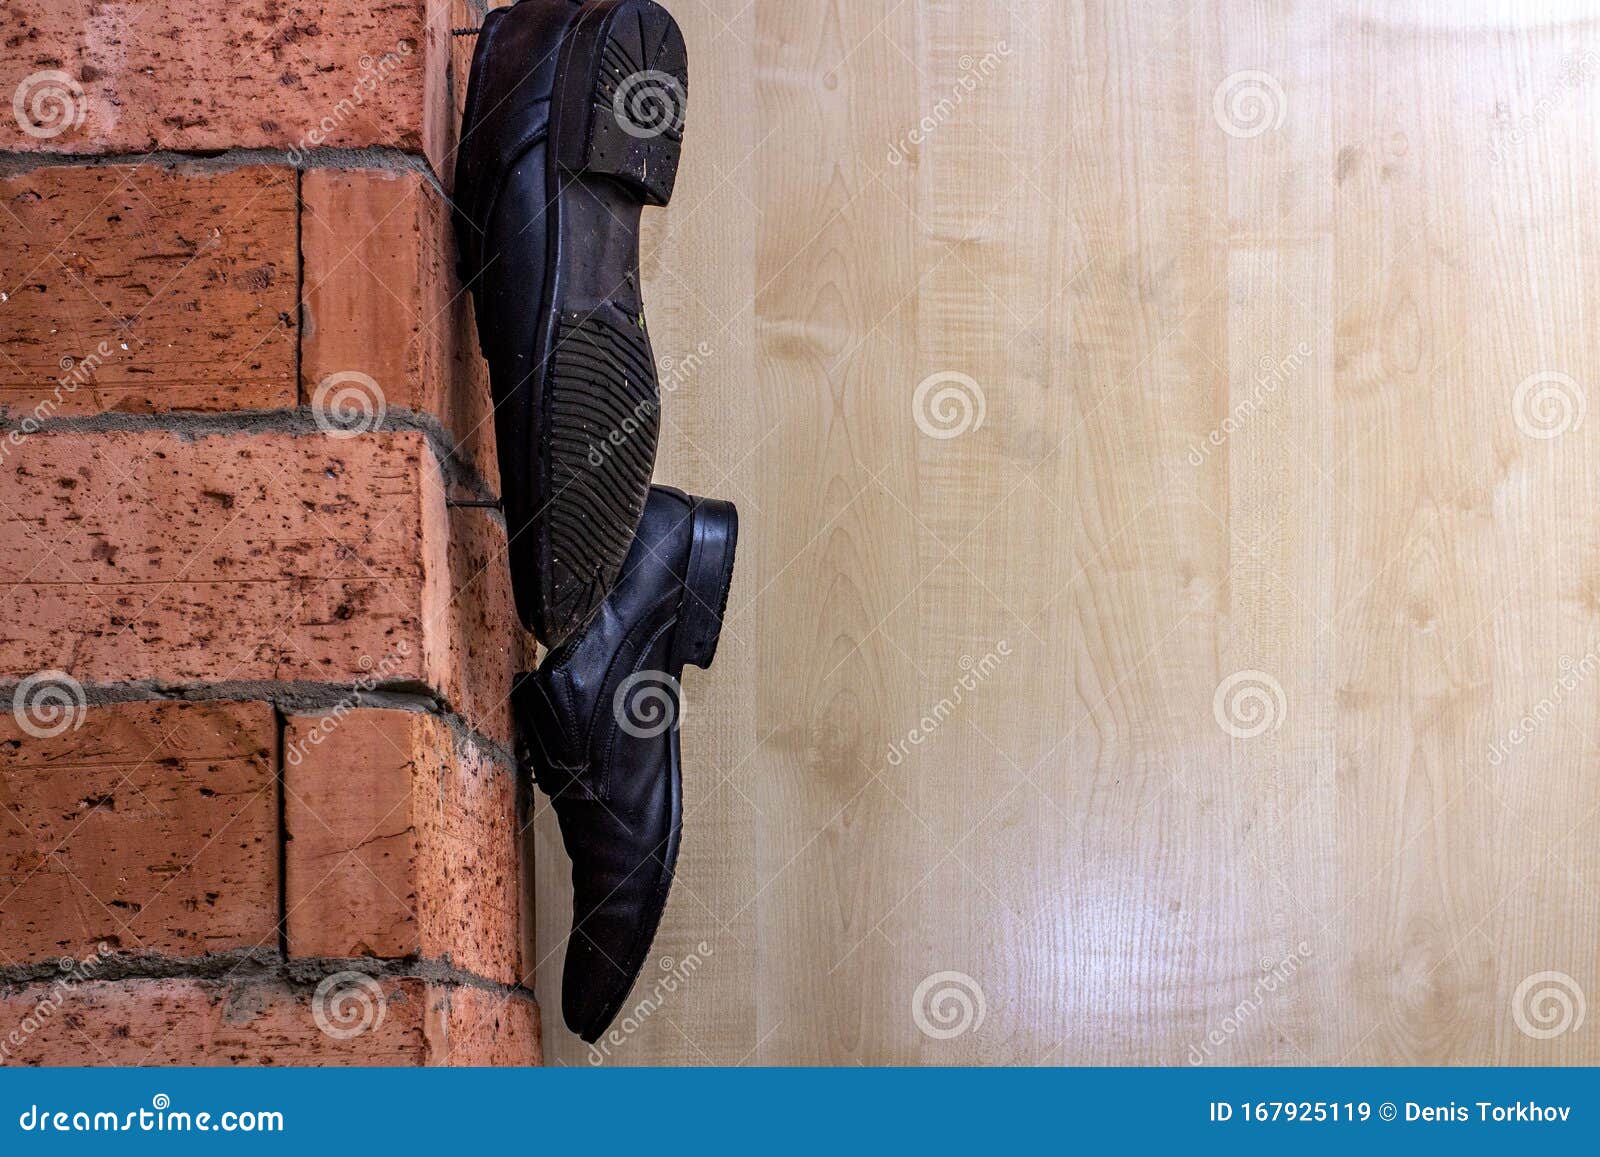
(599, 722)
(500, 205)
(507, 113)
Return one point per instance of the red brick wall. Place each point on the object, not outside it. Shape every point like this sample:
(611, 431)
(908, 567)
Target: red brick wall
(257, 804)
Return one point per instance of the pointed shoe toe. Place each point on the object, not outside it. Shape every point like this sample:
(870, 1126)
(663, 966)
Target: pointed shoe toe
(599, 728)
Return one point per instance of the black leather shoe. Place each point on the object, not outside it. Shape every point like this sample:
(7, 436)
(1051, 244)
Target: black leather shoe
(599, 727)
(574, 121)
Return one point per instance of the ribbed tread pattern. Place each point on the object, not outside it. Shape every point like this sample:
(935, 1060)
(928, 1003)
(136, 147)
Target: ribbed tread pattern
(603, 422)
(640, 98)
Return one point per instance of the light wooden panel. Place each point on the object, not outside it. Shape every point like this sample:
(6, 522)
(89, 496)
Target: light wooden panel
(1250, 293)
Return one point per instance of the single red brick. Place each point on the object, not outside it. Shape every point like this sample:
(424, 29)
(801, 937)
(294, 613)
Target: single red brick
(296, 75)
(402, 842)
(149, 827)
(148, 288)
(245, 557)
(363, 1021)
(382, 298)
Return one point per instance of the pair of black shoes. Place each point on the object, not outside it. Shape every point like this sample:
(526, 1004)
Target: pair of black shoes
(574, 122)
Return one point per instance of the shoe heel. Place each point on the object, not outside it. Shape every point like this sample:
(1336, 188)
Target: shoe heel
(706, 585)
(624, 91)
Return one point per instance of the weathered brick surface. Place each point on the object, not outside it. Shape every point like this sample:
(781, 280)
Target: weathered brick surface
(401, 843)
(472, 1026)
(148, 827)
(275, 556)
(265, 1022)
(251, 553)
(147, 288)
(284, 74)
(382, 298)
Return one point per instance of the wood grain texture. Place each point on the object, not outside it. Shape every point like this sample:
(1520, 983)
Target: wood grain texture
(1228, 693)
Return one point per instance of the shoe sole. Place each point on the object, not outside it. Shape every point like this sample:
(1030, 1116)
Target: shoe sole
(616, 131)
